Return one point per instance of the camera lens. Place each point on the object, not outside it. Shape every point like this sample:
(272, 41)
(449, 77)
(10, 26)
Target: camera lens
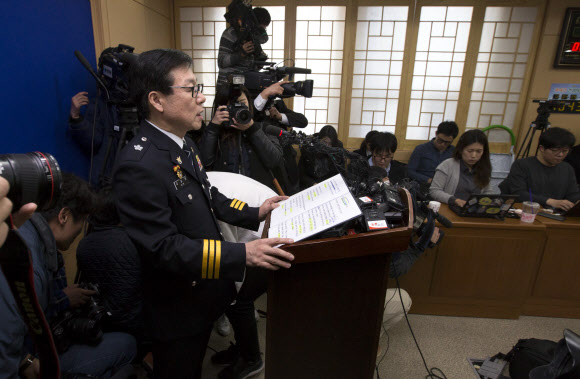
(243, 116)
(34, 178)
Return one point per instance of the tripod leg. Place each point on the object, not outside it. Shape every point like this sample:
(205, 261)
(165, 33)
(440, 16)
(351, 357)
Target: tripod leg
(523, 143)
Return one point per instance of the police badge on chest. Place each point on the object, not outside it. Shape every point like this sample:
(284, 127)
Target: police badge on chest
(182, 180)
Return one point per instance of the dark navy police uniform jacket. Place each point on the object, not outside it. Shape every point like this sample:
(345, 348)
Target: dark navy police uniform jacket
(169, 209)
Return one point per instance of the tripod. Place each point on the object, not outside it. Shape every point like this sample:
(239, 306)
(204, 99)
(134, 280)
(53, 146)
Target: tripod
(541, 124)
(128, 126)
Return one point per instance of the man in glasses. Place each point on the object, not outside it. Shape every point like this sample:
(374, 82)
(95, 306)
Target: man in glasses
(550, 180)
(383, 147)
(428, 156)
(170, 210)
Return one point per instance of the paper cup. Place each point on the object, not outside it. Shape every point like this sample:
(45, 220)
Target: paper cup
(434, 206)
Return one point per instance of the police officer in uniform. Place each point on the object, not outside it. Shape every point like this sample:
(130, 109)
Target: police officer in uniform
(170, 211)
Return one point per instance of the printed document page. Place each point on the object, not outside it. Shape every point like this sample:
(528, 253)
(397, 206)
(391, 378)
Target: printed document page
(314, 210)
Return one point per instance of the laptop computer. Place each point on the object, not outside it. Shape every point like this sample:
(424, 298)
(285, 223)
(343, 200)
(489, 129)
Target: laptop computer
(558, 214)
(485, 206)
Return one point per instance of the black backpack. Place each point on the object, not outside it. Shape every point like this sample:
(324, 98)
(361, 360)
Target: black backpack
(542, 359)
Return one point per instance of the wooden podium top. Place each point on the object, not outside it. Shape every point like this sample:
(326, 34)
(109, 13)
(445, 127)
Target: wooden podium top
(357, 245)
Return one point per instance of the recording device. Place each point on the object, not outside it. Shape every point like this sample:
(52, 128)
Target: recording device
(113, 78)
(240, 112)
(266, 73)
(114, 65)
(541, 124)
(34, 177)
(82, 325)
(241, 16)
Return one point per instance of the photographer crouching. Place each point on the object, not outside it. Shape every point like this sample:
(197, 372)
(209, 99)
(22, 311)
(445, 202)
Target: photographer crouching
(72, 310)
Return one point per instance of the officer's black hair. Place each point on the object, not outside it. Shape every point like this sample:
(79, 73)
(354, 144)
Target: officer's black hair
(262, 16)
(556, 137)
(383, 142)
(449, 128)
(152, 72)
(76, 195)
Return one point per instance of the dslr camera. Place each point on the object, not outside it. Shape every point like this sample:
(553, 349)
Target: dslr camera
(237, 110)
(82, 325)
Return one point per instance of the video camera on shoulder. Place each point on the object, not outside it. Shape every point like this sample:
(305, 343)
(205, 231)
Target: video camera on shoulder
(241, 16)
(269, 73)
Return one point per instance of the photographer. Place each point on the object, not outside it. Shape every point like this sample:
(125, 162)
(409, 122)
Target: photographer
(237, 50)
(45, 234)
(233, 146)
(278, 114)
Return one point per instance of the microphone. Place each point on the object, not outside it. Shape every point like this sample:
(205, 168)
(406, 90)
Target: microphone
(87, 65)
(443, 220)
(274, 130)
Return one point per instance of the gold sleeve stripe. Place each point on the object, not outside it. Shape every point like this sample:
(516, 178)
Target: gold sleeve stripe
(204, 260)
(241, 206)
(218, 256)
(211, 258)
(233, 202)
(238, 202)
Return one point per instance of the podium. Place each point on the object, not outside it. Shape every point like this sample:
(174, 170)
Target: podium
(325, 312)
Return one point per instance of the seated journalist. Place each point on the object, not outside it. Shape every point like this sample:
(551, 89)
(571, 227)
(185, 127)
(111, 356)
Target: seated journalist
(383, 146)
(467, 173)
(551, 180)
(426, 157)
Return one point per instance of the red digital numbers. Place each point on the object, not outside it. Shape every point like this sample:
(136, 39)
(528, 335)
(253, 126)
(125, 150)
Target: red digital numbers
(575, 46)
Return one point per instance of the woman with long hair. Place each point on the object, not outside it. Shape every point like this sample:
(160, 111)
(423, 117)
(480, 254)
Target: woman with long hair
(467, 173)
(233, 146)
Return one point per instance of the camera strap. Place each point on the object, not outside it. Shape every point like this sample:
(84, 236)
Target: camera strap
(16, 264)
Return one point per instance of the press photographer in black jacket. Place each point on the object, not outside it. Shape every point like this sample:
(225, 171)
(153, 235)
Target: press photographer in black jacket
(241, 148)
(275, 112)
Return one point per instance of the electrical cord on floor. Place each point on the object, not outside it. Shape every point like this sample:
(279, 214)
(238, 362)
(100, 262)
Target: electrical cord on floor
(388, 338)
(430, 373)
(384, 354)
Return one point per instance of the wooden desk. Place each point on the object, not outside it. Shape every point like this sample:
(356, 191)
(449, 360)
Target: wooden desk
(482, 268)
(556, 292)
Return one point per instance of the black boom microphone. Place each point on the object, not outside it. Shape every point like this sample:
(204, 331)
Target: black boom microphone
(443, 220)
(274, 130)
(87, 65)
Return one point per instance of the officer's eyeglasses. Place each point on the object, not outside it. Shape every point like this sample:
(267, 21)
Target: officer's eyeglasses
(195, 90)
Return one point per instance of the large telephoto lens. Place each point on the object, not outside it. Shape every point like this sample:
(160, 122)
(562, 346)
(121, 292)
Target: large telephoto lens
(34, 178)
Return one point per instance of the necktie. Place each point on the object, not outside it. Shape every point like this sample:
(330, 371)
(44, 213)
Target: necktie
(189, 153)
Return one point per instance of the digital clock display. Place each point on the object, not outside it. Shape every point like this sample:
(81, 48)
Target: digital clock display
(568, 54)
